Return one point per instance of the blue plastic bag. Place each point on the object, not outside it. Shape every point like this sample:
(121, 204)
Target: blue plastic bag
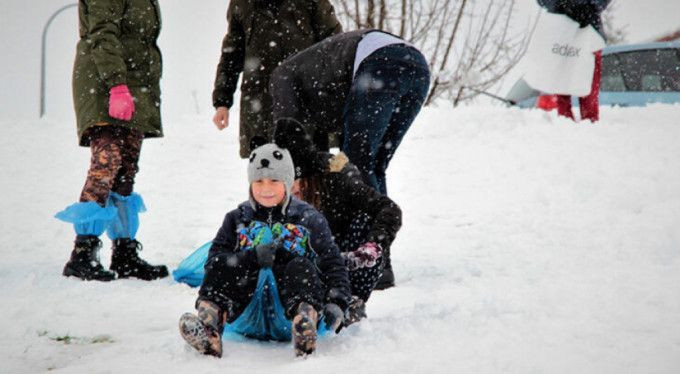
(264, 318)
(191, 270)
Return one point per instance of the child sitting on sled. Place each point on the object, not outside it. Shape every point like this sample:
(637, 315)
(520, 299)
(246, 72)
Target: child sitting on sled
(272, 261)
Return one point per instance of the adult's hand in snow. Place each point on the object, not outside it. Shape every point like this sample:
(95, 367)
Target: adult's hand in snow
(121, 103)
(221, 118)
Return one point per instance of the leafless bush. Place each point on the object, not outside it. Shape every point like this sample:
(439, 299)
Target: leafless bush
(468, 43)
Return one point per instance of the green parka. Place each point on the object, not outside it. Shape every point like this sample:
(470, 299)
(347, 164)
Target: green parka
(261, 34)
(117, 46)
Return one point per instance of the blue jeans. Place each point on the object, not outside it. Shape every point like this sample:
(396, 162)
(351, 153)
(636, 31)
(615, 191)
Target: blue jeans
(388, 90)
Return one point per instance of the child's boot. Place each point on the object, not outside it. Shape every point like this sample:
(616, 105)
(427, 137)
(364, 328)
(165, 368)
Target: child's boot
(89, 220)
(125, 258)
(204, 332)
(356, 311)
(386, 280)
(304, 330)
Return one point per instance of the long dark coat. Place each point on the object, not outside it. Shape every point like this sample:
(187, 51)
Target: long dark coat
(117, 46)
(262, 34)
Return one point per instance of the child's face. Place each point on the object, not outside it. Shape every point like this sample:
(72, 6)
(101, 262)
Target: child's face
(268, 192)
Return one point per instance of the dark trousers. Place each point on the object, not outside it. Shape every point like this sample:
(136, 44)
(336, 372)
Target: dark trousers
(388, 90)
(231, 285)
(113, 166)
(362, 281)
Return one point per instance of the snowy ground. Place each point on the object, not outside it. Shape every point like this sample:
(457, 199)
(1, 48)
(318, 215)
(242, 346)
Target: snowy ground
(530, 245)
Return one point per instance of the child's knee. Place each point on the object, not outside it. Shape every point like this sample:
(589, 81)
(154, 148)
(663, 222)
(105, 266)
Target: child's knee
(299, 265)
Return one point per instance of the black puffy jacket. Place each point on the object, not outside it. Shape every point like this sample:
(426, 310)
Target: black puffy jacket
(356, 212)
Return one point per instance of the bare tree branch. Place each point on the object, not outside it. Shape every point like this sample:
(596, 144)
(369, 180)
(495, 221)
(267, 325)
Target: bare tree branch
(357, 11)
(447, 51)
(370, 13)
(383, 15)
(402, 22)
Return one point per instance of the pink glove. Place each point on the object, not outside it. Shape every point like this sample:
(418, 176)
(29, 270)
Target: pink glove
(364, 256)
(121, 104)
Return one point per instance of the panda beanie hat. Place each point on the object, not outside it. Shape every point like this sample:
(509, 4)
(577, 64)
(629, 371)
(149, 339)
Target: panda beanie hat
(271, 162)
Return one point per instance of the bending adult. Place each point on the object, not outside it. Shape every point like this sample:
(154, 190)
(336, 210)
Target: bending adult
(369, 92)
(586, 13)
(261, 34)
(363, 222)
(116, 95)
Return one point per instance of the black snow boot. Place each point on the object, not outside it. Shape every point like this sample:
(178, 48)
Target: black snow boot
(84, 262)
(356, 311)
(386, 280)
(126, 262)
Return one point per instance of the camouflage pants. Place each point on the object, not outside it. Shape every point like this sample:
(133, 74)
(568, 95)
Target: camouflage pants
(113, 166)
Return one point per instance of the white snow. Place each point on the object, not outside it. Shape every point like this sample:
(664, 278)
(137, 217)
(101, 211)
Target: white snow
(530, 245)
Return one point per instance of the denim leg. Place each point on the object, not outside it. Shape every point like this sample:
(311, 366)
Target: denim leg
(387, 92)
(367, 114)
(402, 118)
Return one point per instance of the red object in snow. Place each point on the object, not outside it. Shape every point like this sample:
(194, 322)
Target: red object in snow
(547, 102)
(590, 105)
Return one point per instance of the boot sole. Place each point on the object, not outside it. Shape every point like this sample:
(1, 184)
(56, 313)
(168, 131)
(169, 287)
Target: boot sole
(70, 272)
(304, 337)
(195, 334)
(131, 274)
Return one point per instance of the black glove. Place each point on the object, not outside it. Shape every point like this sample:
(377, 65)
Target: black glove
(283, 256)
(266, 253)
(333, 316)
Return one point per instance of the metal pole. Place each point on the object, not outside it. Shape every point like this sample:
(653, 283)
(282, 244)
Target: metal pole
(42, 56)
(509, 102)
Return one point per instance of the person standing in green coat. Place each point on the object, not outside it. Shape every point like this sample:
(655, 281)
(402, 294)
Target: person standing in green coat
(262, 34)
(116, 96)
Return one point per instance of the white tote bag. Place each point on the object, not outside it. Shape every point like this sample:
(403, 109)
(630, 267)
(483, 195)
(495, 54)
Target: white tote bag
(559, 58)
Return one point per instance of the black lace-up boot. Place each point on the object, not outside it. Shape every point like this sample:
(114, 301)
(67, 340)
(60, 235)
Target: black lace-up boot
(356, 311)
(386, 280)
(84, 262)
(126, 262)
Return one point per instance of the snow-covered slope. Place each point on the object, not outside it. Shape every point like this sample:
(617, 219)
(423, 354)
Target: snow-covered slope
(530, 245)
